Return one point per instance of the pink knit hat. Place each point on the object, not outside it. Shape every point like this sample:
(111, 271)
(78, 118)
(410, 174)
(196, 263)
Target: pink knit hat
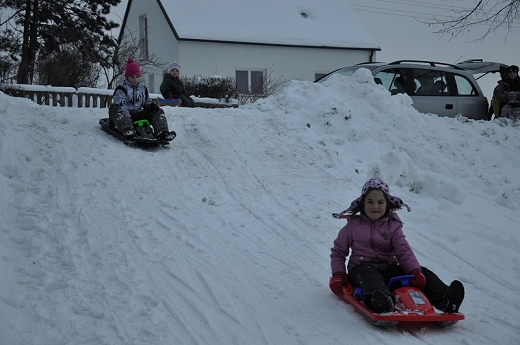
(132, 69)
(176, 64)
(373, 183)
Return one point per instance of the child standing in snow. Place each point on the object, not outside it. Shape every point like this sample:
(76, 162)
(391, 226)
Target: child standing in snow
(131, 102)
(512, 109)
(173, 88)
(379, 251)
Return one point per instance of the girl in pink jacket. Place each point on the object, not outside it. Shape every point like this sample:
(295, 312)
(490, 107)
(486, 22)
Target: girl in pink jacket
(374, 238)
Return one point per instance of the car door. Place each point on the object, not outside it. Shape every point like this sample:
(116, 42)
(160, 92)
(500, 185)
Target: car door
(470, 101)
(433, 93)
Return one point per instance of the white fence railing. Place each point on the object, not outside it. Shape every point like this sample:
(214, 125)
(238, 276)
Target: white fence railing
(84, 97)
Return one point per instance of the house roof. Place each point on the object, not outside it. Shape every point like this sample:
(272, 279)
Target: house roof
(316, 23)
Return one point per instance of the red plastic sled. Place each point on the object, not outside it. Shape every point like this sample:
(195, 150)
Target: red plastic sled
(411, 306)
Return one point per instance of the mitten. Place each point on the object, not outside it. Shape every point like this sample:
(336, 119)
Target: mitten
(170, 96)
(188, 97)
(336, 283)
(151, 106)
(420, 280)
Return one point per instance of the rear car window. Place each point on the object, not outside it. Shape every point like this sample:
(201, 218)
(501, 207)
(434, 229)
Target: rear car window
(464, 86)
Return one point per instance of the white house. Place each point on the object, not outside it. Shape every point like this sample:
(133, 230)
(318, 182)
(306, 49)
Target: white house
(245, 39)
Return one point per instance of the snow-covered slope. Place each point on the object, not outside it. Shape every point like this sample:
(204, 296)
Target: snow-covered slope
(224, 236)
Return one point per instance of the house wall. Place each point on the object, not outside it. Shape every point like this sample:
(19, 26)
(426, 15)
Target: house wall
(161, 40)
(207, 58)
(212, 58)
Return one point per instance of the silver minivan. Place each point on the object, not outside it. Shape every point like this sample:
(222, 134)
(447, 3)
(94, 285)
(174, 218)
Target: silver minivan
(435, 87)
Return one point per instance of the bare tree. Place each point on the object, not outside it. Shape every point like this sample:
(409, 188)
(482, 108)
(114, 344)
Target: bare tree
(267, 86)
(501, 14)
(129, 49)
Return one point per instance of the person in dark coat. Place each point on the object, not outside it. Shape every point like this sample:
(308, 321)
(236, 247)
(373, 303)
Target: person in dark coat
(173, 88)
(510, 83)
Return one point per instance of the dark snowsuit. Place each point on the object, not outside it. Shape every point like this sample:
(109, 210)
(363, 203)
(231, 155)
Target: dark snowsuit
(369, 279)
(500, 92)
(129, 104)
(511, 110)
(174, 86)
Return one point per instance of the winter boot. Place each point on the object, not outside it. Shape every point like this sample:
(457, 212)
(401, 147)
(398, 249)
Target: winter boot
(382, 302)
(452, 298)
(129, 132)
(166, 136)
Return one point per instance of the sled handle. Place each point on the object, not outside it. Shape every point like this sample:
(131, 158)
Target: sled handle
(142, 123)
(405, 280)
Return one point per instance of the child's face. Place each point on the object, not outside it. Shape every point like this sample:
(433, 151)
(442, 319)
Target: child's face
(375, 204)
(134, 79)
(174, 72)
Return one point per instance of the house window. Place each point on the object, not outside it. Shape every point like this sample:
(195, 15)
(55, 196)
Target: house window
(143, 36)
(151, 83)
(250, 82)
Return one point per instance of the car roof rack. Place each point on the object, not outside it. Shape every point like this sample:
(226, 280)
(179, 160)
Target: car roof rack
(369, 63)
(431, 63)
(472, 60)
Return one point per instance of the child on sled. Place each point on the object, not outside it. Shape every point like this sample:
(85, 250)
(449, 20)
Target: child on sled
(131, 102)
(374, 238)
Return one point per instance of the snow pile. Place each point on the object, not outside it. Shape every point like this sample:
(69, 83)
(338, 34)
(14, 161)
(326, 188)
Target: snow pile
(224, 236)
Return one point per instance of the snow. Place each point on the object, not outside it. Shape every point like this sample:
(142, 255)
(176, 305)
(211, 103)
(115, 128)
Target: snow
(324, 23)
(224, 236)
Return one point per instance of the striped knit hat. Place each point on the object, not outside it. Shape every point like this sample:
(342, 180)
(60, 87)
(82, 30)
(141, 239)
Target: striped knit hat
(373, 183)
(176, 64)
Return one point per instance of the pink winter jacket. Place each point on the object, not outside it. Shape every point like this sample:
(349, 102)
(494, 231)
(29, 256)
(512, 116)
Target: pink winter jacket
(381, 244)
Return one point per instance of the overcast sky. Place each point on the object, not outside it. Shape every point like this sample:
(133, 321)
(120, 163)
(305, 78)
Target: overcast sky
(396, 26)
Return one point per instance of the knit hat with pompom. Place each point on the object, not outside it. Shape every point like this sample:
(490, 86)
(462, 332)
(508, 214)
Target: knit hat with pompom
(132, 69)
(374, 183)
(176, 64)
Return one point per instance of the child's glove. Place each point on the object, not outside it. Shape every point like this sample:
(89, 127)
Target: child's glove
(336, 283)
(151, 106)
(170, 96)
(189, 97)
(420, 280)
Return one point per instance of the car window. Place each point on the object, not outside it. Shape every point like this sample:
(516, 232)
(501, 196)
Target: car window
(430, 82)
(393, 79)
(464, 86)
(347, 72)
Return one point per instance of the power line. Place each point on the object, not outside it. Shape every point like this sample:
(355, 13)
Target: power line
(396, 12)
(445, 7)
(410, 13)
